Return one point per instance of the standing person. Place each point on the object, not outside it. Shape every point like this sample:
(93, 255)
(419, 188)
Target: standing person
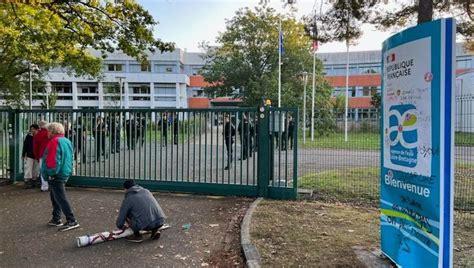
(115, 133)
(57, 168)
(78, 129)
(291, 128)
(31, 164)
(175, 128)
(164, 129)
(142, 129)
(130, 130)
(229, 133)
(100, 132)
(40, 141)
(140, 211)
(244, 133)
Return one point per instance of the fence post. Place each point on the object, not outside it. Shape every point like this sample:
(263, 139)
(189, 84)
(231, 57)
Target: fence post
(14, 144)
(263, 152)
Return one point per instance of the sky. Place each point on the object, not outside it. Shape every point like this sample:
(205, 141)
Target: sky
(189, 22)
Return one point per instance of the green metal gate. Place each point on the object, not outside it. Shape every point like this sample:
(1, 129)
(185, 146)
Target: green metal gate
(179, 150)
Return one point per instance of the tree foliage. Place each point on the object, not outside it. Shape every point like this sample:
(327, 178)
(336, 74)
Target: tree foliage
(245, 62)
(60, 33)
(376, 99)
(333, 24)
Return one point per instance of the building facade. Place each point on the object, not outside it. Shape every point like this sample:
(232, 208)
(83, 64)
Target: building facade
(365, 68)
(172, 80)
(164, 82)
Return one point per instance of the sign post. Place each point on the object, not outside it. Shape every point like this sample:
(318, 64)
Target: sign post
(417, 139)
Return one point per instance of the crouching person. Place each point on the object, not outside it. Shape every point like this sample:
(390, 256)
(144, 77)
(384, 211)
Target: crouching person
(57, 168)
(140, 211)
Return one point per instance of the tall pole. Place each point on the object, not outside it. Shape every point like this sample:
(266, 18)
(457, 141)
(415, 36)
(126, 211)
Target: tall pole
(120, 88)
(347, 90)
(280, 45)
(312, 97)
(305, 80)
(31, 90)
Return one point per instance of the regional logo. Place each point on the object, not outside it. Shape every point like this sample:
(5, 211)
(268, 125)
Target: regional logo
(403, 135)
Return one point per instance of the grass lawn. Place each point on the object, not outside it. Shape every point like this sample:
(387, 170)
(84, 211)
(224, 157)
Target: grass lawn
(363, 184)
(362, 141)
(365, 141)
(464, 139)
(315, 234)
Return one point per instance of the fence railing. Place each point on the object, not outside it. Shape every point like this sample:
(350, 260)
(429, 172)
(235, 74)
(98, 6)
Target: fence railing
(349, 170)
(4, 145)
(217, 151)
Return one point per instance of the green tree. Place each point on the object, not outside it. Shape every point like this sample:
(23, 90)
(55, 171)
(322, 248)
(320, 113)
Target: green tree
(61, 33)
(339, 104)
(245, 62)
(376, 99)
(50, 101)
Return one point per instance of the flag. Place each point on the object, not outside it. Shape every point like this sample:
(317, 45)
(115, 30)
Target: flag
(391, 57)
(314, 46)
(281, 49)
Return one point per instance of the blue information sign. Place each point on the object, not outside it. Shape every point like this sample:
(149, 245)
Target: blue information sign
(416, 200)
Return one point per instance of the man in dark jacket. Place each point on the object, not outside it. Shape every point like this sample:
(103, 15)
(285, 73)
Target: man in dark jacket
(31, 164)
(229, 133)
(140, 211)
(175, 128)
(163, 124)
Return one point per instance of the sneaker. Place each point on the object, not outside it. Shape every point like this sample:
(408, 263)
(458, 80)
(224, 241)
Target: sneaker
(28, 185)
(44, 189)
(69, 226)
(55, 223)
(155, 234)
(135, 238)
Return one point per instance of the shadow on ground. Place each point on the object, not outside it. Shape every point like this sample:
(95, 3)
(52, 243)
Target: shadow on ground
(26, 240)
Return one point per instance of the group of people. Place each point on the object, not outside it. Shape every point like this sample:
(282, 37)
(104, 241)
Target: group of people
(248, 133)
(49, 155)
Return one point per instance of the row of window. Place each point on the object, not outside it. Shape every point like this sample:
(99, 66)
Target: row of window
(135, 68)
(366, 91)
(353, 70)
(376, 68)
(113, 88)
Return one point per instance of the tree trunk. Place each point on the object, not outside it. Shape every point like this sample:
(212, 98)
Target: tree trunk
(425, 11)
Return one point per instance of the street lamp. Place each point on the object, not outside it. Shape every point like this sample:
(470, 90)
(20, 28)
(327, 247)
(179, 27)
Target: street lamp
(48, 91)
(32, 67)
(120, 78)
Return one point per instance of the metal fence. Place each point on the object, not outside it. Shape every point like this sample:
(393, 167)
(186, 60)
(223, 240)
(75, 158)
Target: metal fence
(349, 170)
(216, 151)
(4, 147)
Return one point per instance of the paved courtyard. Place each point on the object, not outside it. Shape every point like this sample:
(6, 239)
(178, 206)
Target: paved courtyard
(27, 241)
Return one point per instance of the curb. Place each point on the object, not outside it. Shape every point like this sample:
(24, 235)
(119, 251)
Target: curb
(250, 251)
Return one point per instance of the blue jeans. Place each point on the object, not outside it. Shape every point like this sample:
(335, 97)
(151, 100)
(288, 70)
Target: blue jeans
(59, 201)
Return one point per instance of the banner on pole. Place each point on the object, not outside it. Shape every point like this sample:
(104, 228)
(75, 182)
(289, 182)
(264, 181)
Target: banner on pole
(417, 145)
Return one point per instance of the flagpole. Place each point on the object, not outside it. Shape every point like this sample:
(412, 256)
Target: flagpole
(347, 91)
(312, 97)
(279, 62)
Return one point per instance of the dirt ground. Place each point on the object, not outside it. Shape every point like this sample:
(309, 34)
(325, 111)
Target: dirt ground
(316, 234)
(26, 241)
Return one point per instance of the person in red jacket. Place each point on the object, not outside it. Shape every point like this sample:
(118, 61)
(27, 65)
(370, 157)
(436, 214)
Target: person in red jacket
(40, 141)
